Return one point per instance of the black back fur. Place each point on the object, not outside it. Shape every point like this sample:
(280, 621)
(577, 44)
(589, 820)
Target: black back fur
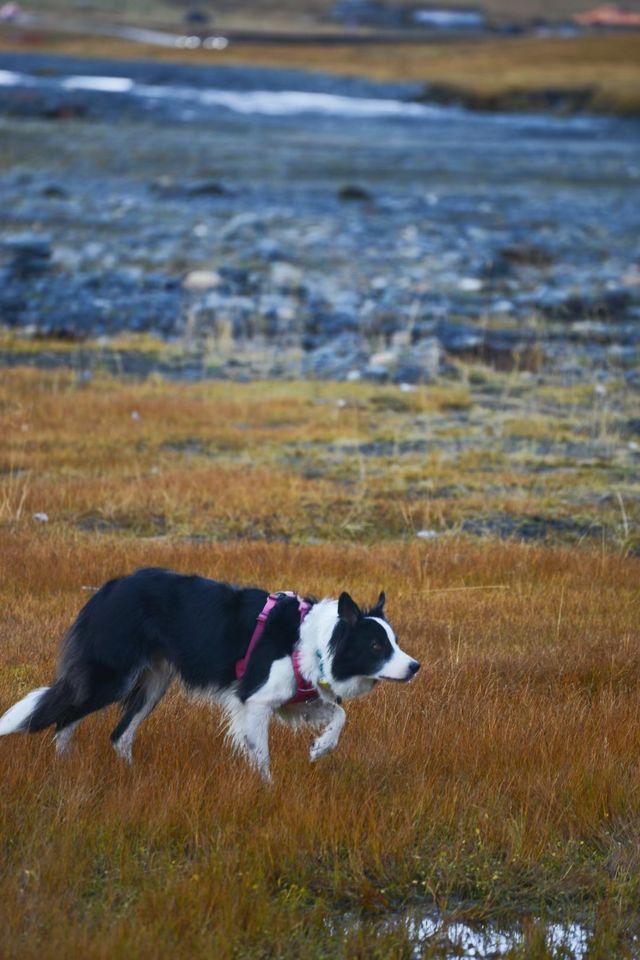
(200, 626)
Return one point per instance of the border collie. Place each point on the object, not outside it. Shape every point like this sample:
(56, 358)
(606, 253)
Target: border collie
(139, 632)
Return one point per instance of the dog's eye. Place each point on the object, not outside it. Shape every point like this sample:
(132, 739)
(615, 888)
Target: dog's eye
(377, 646)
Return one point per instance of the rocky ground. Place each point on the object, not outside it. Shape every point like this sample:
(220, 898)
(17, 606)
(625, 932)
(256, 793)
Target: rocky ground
(276, 237)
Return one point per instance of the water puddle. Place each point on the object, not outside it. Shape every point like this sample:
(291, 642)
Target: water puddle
(567, 940)
(432, 935)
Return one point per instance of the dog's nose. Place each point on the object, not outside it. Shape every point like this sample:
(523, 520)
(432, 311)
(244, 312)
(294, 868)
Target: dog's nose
(414, 666)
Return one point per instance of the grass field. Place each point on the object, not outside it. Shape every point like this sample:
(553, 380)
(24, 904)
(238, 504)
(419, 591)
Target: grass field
(510, 453)
(504, 782)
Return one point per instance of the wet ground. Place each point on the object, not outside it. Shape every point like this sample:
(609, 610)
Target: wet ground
(334, 227)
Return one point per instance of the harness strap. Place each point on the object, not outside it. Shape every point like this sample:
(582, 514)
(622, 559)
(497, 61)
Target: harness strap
(305, 690)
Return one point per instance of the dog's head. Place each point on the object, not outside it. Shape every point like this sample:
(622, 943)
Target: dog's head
(364, 647)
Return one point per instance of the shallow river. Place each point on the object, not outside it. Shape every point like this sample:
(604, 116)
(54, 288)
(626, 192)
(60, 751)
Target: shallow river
(155, 169)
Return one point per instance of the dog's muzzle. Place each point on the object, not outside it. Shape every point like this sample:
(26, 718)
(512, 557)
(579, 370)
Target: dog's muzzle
(412, 669)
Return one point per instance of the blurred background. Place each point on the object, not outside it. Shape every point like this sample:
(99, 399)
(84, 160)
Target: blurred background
(346, 190)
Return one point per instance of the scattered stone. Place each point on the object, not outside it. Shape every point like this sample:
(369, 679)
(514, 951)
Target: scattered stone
(206, 188)
(353, 192)
(470, 284)
(527, 254)
(424, 358)
(53, 191)
(457, 338)
(335, 360)
(286, 276)
(406, 375)
(385, 358)
(30, 253)
(376, 372)
(198, 280)
(166, 186)
(502, 306)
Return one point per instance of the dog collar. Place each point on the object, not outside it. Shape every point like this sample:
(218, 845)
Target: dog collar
(323, 683)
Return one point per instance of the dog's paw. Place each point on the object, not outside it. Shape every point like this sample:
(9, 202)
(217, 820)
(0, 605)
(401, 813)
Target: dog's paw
(319, 748)
(124, 751)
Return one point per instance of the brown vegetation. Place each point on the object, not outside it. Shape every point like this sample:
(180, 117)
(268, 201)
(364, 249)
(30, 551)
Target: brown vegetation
(350, 461)
(505, 779)
(487, 73)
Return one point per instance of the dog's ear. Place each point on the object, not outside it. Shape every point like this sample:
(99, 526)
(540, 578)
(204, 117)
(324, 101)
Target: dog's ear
(379, 607)
(348, 609)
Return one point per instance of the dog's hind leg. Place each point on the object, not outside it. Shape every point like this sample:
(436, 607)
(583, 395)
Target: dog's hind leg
(74, 695)
(64, 735)
(145, 696)
(328, 739)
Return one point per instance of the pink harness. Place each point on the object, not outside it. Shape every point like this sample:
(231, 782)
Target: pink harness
(305, 690)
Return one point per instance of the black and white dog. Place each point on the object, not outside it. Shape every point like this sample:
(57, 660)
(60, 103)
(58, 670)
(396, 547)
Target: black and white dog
(140, 631)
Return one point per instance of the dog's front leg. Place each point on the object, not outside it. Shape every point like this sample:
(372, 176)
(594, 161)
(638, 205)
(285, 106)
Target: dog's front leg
(328, 739)
(256, 737)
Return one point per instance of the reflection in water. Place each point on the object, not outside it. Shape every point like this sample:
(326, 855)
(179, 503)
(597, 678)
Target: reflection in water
(567, 940)
(453, 939)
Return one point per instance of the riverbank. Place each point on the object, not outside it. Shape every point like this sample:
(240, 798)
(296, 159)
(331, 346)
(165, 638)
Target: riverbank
(314, 225)
(598, 73)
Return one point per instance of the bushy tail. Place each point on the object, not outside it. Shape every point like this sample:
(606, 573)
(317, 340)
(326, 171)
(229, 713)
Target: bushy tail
(16, 719)
(39, 709)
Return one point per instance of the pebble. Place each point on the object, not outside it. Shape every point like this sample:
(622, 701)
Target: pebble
(470, 284)
(198, 280)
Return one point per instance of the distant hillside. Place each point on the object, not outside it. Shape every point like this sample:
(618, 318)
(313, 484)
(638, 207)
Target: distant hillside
(301, 12)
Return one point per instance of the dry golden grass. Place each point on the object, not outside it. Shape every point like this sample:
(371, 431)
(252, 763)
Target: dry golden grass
(350, 461)
(507, 775)
(609, 65)
(491, 72)
(506, 778)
